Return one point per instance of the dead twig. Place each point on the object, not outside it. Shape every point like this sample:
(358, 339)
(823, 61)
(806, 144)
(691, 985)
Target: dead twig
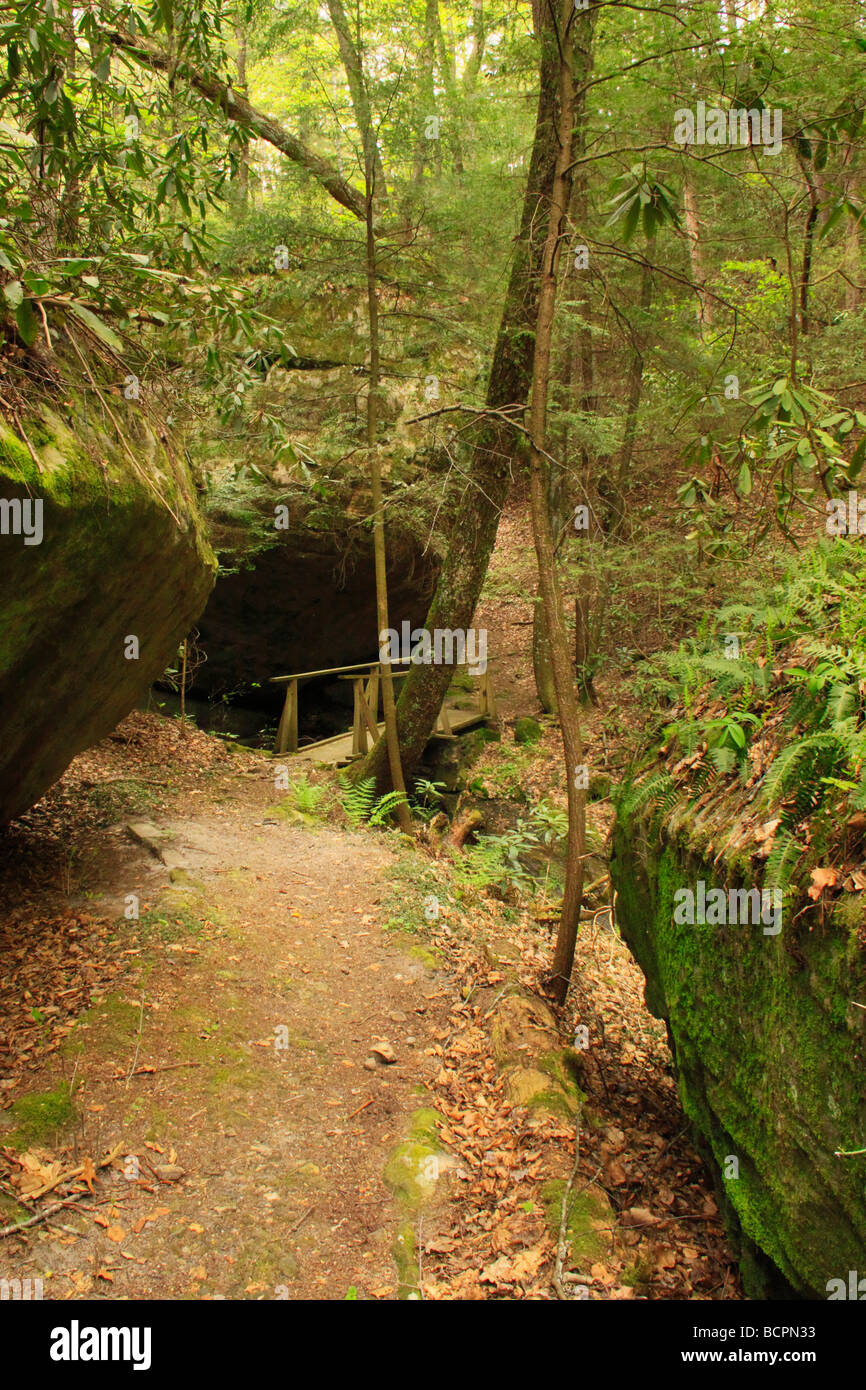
(298, 1224)
(152, 1071)
(34, 1220)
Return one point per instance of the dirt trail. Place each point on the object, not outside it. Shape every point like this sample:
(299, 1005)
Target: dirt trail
(208, 975)
(257, 987)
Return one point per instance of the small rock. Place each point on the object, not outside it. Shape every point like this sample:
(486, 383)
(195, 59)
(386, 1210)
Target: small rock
(149, 835)
(397, 1017)
(169, 1172)
(385, 1052)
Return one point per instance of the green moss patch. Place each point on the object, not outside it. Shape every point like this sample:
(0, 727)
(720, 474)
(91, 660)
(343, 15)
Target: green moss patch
(590, 1224)
(40, 1118)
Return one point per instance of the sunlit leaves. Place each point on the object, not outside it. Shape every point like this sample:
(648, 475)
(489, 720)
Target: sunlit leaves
(640, 200)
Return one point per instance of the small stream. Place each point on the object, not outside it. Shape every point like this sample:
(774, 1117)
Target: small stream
(254, 726)
(325, 708)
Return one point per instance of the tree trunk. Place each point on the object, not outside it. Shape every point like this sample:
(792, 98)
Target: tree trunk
(238, 109)
(183, 678)
(808, 244)
(244, 157)
(379, 550)
(575, 361)
(473, 531)
(428, 88)
(350, 52)
(449, 82)
(476, 54)
(542, 662)
(548, 581)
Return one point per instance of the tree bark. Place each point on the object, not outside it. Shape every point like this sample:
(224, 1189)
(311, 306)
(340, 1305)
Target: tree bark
(548, 580)
(238, 109)
(496, 445)
(379, 551)
(542, 663)
(696, 250)
(476, 54)
(617, 486)
(808, 244)
(244, 158)
(449, 82)
(352, 62)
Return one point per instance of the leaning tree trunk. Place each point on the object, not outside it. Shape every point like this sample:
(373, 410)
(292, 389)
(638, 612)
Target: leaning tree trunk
(575, 359)
(473, 531)
(548, 580)
(379, 551)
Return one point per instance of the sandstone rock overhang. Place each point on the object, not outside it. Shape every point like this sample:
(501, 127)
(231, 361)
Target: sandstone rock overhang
(122, 555)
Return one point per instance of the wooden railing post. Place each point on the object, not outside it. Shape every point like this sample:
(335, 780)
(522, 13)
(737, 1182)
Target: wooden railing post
(359, 728)
(364, 720)
(287, 733)
(372, 696)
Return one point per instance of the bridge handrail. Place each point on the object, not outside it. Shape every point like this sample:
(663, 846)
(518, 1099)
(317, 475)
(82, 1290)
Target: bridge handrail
(332, 671)
(365, 676)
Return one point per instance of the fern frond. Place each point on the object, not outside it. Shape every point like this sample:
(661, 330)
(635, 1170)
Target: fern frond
(783, 860)
(779, 776)
(358, 798)
(386, 806)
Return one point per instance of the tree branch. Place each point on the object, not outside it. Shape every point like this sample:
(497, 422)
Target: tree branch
(238, 109)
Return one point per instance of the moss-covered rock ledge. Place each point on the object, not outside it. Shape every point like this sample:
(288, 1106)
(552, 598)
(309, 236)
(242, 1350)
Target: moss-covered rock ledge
(120, 554)
(766, 1017)
(769, 1048)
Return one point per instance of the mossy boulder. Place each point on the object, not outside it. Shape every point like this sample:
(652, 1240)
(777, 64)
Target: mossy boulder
(591, 1230)
(412, 1172)
(541, 1090)
(527, 731)
(522, 1028)
(121, 555)
(769, 1048)
(415, 1164)
(538, 1072)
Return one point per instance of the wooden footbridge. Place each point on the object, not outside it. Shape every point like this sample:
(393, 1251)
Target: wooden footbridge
(469, 701)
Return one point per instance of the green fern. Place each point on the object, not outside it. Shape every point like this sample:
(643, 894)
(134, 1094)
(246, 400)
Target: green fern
(385, 807)
(650, 792)
(362, 805)
(782, 861)
(358, 798)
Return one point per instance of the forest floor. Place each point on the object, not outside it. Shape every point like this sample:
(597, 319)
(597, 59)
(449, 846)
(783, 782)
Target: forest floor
(222, 1033)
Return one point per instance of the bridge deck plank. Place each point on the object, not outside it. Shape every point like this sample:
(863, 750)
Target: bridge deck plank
(338, 749)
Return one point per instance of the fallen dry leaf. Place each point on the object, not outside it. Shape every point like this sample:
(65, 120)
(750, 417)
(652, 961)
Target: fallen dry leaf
(822, 878)
(529, 1262)
(88, 1172)
(639, 1216)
